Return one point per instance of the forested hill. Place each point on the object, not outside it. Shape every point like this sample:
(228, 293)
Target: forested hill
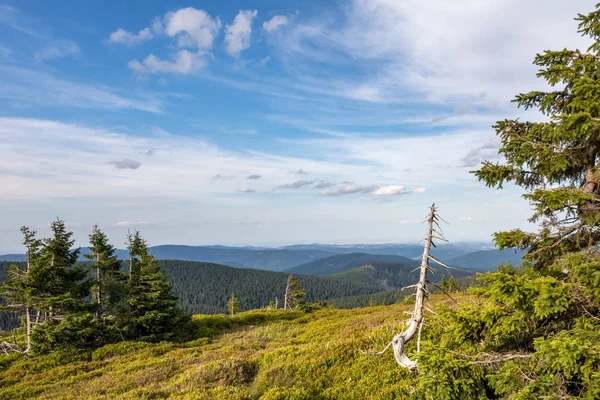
(346, 262)
(387, 276)
(204, 288)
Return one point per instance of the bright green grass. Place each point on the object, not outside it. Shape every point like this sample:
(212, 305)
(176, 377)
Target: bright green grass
(256, 354)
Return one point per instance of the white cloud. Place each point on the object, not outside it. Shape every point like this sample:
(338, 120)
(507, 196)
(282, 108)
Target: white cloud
(193, 28)
(296, 184)
(350, 188)
(174, 189)
(58, 49)
(28, 86)
(237, 36)
(390, 190)
(184, 62)
(132, 223)
(419, 190)
(274, 23)
(129, 38)
(464, 52)
(248, 190)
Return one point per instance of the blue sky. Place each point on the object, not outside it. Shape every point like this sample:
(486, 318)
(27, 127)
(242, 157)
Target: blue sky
(266, 122)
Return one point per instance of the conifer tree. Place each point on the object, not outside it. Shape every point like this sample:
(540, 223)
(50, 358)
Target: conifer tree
(61, 286)
(108, 289)
(19, 290)
(534, 331)
(233, 306)
(151, 308)
(556, 161)
(65, 283)
(295, 296)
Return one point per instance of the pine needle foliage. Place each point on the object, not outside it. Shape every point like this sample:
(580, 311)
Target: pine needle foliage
(532, 332)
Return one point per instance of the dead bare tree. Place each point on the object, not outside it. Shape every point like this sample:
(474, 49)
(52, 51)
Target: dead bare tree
(287, 294)
(415, 323)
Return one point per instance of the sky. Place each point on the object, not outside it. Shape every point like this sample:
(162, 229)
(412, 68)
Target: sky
(265, 122)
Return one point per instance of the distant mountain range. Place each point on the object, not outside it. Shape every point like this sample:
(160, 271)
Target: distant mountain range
(320, 259)
(345, 262)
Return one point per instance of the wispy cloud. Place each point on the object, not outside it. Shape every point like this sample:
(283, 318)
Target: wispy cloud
(295, 185)
(58, 49)
(487, 151)
(274, 23)
(300, 172)
(324, 185)
(11, 17)
(126, 163)
(348, 189)
(238, 33)
(254, 177)
(132, 223)
(248, 190)
(220, 177)
(129, 38)
(28, 86)
(395, 190)
(184, 62)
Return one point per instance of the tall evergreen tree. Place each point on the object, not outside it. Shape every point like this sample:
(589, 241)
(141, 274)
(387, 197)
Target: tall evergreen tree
(108, 289)
(62, 288)
(19, 290)
(65, 282)
(151, 311)
(535, 331)
(556, 161)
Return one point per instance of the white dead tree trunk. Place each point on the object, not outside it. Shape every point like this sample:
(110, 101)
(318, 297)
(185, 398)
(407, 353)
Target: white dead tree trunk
(416, 320)
(287, 294)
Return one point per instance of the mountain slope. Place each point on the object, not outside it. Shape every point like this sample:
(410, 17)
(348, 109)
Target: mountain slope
(346, 262)
(442, 251)
(387, 276)
(267, 354)
(240, 257)
(486, 260)
(206, 287)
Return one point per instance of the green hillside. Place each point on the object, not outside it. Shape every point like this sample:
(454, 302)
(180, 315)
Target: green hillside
(205, 287)
(257, 354)
(346, 262)
(388, 276)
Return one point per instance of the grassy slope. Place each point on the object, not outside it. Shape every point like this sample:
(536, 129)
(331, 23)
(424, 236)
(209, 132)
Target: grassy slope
(256, 354)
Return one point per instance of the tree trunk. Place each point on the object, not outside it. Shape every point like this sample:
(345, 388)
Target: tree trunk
(98, 289)
(28, 309)
(416, 318)
(287, 294)
(28, 328)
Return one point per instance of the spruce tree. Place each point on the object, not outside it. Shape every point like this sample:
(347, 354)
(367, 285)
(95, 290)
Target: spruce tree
(295, 296)
(62, 286)
(233, 306)
(19, 291)
(65, 282)
(151, 308)
(556, 161)
(108, 289)
(534, 331)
